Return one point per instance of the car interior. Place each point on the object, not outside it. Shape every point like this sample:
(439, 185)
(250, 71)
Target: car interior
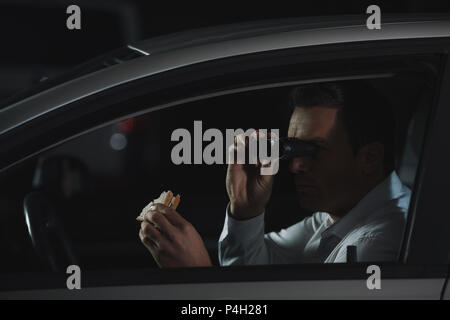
(77, 203)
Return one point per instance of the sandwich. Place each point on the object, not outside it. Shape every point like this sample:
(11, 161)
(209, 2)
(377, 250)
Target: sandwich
(166, 198)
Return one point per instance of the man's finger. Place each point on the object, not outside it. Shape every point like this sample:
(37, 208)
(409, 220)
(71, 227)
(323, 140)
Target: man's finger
(158, 217)
(147, 241)
(152, 233)
(240, 145)
(233, 156)
(269, 170)
(173, 217)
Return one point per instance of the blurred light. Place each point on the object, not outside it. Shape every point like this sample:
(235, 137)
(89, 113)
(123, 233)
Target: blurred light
(126, 126)
(118, 142)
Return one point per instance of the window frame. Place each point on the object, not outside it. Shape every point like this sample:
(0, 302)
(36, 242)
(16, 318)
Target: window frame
(80, 110)
(431, 176)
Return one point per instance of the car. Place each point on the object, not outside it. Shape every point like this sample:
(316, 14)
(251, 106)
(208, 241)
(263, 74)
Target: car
(82, 154)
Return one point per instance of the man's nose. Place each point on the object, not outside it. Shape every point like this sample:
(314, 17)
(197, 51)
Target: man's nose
(299, 164)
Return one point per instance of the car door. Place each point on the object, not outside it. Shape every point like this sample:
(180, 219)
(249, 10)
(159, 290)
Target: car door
(422, 267)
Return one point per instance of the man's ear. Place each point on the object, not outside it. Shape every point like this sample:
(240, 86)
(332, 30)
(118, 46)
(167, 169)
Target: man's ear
(370, 158)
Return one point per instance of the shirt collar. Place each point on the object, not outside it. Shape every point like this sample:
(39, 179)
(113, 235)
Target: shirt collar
(390, 188)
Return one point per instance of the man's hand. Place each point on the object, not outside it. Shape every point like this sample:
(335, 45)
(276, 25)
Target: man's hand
(248, 190)
(172, 241)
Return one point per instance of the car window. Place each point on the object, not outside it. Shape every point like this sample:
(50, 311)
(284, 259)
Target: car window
(93, 187)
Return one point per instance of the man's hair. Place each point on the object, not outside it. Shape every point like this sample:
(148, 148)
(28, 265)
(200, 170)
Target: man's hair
(366, 115)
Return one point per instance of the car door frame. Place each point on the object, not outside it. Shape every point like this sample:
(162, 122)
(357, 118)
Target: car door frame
(428, 278)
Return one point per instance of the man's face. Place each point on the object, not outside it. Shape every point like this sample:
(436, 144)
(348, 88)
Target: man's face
(328, 181)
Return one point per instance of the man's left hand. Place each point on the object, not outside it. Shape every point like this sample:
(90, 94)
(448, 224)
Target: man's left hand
(172, 241)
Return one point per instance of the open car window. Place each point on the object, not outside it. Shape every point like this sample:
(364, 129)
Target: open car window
(98, 183)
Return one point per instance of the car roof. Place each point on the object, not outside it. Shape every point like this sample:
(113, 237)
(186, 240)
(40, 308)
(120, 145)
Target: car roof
(177, 50)
(198, 37)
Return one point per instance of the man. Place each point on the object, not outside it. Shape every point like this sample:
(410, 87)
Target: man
(350, 185)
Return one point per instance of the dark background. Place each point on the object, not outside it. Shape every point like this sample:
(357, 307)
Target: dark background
(36, 43)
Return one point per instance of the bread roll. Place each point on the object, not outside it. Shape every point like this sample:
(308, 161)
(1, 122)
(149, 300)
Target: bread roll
(166, 198)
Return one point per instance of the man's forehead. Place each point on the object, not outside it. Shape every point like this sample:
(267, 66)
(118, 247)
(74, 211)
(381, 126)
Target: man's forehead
(311, 123)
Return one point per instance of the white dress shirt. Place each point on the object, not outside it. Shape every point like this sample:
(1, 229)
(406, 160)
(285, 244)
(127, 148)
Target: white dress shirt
(375, 226)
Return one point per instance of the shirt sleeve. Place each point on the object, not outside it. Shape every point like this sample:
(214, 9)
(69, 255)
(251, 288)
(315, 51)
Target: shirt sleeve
(244, 242)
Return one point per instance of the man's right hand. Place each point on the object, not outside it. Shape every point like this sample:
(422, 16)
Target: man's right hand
(248, 190)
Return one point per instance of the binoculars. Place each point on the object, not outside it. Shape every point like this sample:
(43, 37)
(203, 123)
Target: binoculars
(292, 148)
